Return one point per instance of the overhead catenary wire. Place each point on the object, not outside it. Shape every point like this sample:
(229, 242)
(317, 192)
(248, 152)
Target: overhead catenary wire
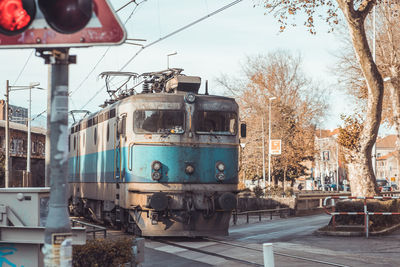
(93, 69)
(105, 52)
(163, 38)
(23, 68)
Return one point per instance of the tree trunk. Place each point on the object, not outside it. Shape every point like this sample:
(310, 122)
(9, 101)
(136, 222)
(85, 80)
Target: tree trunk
(362, 178)
(284, 178)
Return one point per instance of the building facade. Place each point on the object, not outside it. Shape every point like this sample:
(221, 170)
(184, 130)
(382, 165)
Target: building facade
(387, 159)
(328, 170)
(18, 154)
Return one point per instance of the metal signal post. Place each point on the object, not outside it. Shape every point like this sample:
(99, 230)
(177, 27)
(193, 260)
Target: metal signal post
(57, 125)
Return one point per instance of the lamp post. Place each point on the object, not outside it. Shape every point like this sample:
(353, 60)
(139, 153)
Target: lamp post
(263, 153)
(172, 54)
(269, 140)
(9, 88)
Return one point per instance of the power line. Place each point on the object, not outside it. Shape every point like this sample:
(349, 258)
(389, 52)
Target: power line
(163, 38)
(127, 4)
(105, 52)
(23, 68)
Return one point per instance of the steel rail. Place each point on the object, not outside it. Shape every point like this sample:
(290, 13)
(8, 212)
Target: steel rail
(280, 254)
(208, 252)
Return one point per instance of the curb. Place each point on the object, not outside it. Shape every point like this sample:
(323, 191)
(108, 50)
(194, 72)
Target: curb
(353, 233)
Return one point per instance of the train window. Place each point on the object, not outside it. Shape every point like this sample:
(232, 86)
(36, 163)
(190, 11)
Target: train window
(95, 136)
(112, 113)
(74, 142)
(159, 121)
(216, 122)
(69, 144)
(108, 131)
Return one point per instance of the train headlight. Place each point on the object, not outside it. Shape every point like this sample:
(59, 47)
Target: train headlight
(190, 97)
(156, 165)
(220, 166)
(220, 176)
(189, 169)
(156, 176)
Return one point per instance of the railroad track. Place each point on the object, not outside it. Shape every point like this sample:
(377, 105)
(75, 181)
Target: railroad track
(242, 261)
(180, 243)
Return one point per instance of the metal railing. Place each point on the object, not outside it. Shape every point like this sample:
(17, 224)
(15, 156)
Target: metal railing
(90, 228)
(259, 213)
(366, 213)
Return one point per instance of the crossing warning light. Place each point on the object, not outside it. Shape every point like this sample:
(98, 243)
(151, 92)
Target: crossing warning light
(58, 23)
(16, 16)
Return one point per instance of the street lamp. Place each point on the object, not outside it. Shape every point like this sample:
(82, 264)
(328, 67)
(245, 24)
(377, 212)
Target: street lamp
(9, 88)
(269, 141)
(172, 54)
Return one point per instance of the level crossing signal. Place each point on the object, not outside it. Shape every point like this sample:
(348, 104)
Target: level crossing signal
(58, 23)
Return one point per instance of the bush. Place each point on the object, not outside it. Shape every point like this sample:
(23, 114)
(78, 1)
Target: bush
(258, 191)
(103, 253)
(376, 222)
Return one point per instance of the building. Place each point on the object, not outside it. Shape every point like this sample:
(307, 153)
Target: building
(328, 170)
(387, 159)
(18, 154)
(17, 114)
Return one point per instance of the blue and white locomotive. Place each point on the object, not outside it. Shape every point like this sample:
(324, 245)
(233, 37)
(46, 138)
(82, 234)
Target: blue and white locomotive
(162, 162)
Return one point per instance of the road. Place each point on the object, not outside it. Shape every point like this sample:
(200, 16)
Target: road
(291, 236)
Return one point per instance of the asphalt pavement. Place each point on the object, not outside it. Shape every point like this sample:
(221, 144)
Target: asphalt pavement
(294, 243)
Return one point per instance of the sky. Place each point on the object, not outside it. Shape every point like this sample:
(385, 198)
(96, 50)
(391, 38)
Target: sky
(215, 46)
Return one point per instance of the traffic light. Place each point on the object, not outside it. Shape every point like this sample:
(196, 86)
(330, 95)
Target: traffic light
(16, 16)
(66, 16)
(63, 16)
(58, 23)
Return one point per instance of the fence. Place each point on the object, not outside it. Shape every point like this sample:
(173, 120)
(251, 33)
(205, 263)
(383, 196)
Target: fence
(366, 213)
(90, 228)
(259, 213)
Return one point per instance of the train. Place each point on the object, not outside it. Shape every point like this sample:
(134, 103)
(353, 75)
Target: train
(159, 162)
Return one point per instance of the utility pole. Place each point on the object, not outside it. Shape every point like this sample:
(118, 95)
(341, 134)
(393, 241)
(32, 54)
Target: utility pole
(29, 149)
(7, 164)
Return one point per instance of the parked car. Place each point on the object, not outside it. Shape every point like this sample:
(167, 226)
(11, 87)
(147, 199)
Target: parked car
(383, 185)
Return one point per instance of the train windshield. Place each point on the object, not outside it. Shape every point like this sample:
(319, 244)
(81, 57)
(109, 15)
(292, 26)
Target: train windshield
(159, 121)
(216, 122)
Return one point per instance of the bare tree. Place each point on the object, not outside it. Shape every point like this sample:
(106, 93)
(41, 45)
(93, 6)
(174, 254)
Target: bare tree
(361, 175)
(298, 105)
(387, 59)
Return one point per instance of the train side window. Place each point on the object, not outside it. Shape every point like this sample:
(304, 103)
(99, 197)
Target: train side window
(112, 113)
(108, 131)
(95, 135)
(122, 125)
(74, 142)
(69, 145)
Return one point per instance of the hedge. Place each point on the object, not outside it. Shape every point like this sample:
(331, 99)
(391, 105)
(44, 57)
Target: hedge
(376, 222)
(103, 253)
